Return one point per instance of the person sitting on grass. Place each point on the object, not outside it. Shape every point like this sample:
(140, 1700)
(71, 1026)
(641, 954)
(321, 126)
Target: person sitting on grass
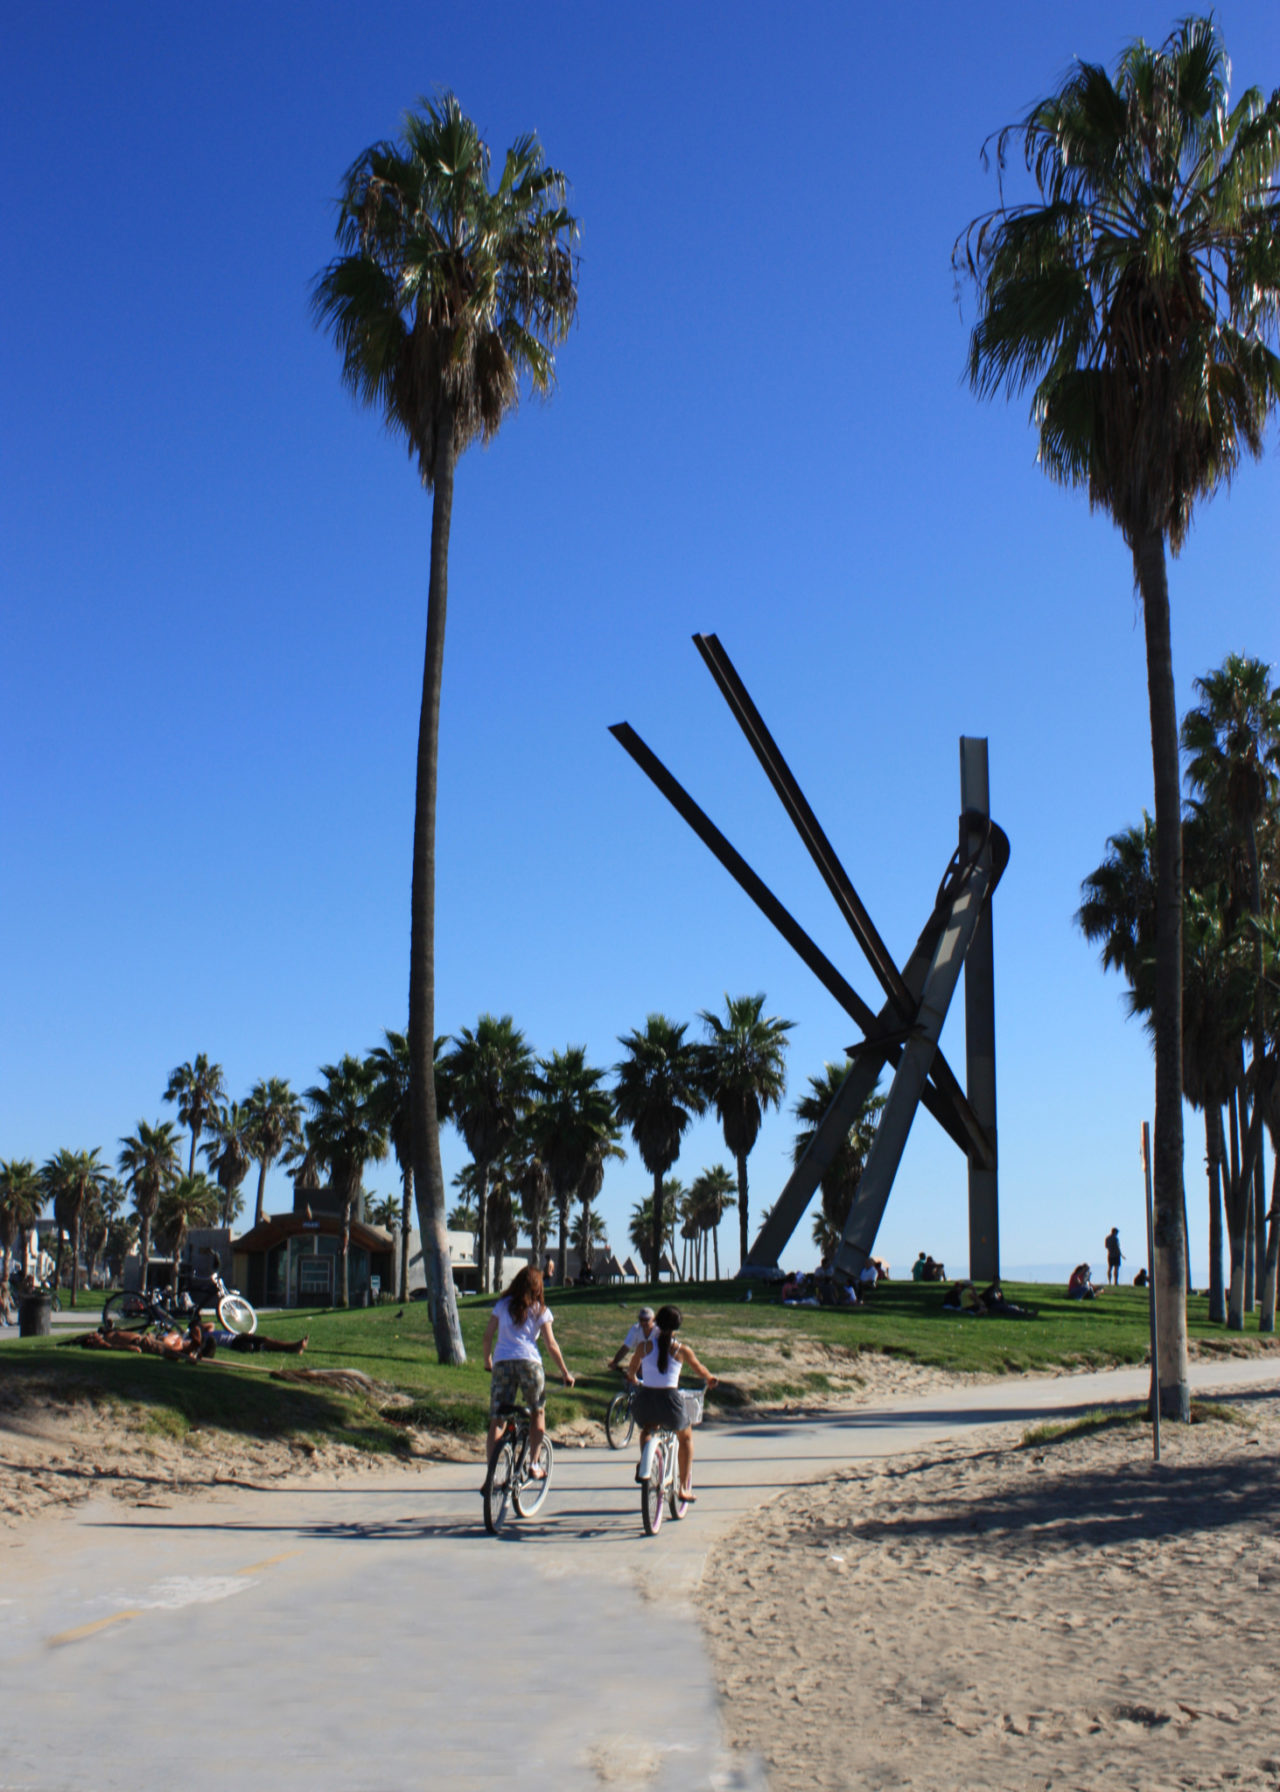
(517, 1322)
(993, 1298)
(1080, 1285)
(654, 1372)
(963, 1297)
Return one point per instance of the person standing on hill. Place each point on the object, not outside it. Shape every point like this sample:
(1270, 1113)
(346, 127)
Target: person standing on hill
(1115, 1256)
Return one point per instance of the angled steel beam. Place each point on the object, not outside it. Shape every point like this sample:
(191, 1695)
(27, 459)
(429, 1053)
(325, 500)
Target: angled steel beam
(805, 822)
(968, 895)
(878, 1031)
(824, 856)
(789, 1208)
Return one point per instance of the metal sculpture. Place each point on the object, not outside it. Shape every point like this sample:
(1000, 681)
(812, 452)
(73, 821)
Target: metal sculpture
(904, 1033)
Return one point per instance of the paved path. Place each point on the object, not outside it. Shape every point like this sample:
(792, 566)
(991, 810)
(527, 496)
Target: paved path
(371, 1637)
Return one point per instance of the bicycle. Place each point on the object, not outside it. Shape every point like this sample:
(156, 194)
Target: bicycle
(620, 1420)
(510, 1488)
(159, 1307)
(659, 1471)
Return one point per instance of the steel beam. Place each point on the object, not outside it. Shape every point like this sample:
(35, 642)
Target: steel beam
(967, 900)
(830, 869)
(789, 1208)
(980, 1026)
(877, 1030)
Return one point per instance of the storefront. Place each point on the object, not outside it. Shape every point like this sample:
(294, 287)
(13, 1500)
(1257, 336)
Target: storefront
(291, 1260)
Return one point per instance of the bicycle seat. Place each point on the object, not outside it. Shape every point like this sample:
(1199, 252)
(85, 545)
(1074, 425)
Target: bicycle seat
(512, 1412)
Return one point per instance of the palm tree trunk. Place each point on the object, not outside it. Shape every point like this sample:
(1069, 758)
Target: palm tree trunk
(1235, 1225)
(482, 1225)
(144, 1244)
(344, 1290)
(1170, 1236)
(75, 1249)
(1249, 1265)
(562, 1266)
(1213, 1154)
(1267, 1302)
(743, 1209)
(404, 1233)
(715, 1239)
(259, 1207)
(658, 1227)
(428, 1173)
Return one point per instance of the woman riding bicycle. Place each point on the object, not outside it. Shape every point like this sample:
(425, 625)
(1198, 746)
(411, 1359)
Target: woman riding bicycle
(517, 1322)
(659, 1405)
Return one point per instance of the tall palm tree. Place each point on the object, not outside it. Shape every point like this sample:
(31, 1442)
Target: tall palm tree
(275, 1127)
(385, 1212)
(490, 1073)
(345, 1131)
(643, 1228)
(148, 1161)
(229, 1151)
(69, 1177)
(607, 1146)
(661, 1085)
(393, 1069)
(840, 1179)
(187, 1201)
(1233, 742)
(197, 1088)
(533, 1186)
(573, 1129)
(711, 1196)
(22, 1197)
(1137, 297)
(446, 296)
(747, 1058)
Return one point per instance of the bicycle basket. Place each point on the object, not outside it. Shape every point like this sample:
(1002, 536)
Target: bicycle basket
(693, 1398)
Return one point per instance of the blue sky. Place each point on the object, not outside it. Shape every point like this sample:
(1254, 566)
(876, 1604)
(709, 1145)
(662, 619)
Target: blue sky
(215, 572)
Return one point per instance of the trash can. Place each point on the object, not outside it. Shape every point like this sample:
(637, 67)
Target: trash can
(35, 1315)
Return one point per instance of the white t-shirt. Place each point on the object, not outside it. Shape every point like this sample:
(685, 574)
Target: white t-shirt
(635, 1336)
(519, 1343)
(651, 1375)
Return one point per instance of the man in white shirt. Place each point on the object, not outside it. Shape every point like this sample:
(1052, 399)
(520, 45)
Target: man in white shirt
(640, 1333)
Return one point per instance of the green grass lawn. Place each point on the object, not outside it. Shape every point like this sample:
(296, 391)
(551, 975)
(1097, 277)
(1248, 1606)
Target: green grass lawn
(762, 1351)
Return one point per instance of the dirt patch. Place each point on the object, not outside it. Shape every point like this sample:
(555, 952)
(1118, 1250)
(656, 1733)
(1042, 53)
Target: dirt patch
(1067, 1614)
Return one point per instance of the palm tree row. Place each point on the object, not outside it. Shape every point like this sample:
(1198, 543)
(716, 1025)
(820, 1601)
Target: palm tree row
(1136, 295)
(1230, 997)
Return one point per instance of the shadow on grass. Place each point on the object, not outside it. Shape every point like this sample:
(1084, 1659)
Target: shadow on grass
(182, 1396)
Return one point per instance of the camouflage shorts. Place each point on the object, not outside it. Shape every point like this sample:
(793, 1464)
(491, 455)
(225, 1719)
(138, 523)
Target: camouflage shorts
(517, 1381)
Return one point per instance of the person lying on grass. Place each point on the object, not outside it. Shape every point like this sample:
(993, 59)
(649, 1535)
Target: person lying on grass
(654, 1372)
(518, 1322)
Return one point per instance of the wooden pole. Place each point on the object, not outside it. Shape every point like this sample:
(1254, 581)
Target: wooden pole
(1151, 1295)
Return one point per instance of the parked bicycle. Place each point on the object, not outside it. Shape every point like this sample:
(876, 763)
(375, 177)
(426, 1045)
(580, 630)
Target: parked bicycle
(141, 1307)
(659, 1471)
(511, 1490)
(620, 1420)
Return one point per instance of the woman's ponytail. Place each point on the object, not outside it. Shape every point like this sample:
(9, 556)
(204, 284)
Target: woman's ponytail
(668, 1321)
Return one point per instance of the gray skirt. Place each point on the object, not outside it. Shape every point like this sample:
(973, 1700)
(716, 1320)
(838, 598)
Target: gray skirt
(659, 1409)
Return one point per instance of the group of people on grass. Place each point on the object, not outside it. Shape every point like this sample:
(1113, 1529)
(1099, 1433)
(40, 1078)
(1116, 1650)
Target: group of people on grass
(828, 1286)
(521, 1320)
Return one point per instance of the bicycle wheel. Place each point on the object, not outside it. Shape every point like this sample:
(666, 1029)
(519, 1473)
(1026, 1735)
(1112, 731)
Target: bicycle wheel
(619, 1421)
(236, 1314)
(651, 1492)
(530, 1493)
(125, 1309)
(678, 1507)
(499, 1487)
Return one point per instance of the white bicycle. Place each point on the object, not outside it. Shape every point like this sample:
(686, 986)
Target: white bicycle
(659, 1470)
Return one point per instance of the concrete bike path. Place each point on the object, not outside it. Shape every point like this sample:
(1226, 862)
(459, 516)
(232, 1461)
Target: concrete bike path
(369, 1636)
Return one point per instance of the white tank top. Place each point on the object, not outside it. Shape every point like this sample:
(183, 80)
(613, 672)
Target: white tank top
(650, 1374)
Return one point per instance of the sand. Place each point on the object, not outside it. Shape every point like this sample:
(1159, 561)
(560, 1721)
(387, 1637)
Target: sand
(1066, 1615)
